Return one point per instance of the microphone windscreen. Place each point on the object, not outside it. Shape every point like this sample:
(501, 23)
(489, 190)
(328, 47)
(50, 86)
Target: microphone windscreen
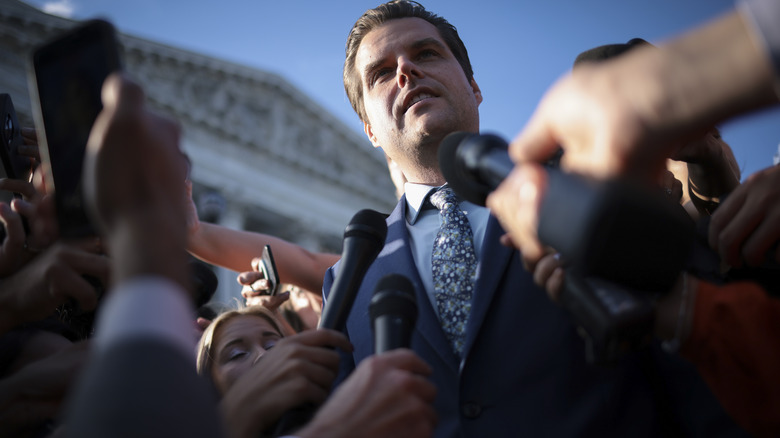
(368, 224)
(453, 166)
(394, 295)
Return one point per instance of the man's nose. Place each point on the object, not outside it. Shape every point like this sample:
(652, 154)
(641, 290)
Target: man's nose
(408, 72)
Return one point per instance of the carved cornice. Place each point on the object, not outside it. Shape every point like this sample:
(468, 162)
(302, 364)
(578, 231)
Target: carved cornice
(258, 110)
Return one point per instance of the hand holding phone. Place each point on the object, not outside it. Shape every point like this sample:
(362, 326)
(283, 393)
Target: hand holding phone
(268, 268)
(66, 77)
(16, 166)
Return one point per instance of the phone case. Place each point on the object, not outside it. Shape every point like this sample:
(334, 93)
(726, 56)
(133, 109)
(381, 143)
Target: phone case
(66, 77)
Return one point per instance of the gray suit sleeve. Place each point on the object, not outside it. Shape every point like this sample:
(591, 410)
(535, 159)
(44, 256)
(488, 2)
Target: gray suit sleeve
(141, 379)
(142, 387)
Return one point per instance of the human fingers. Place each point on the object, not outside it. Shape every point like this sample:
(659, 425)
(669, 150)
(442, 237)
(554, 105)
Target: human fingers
(89, 263)
(756, 247)
(724, 217)
(670, 185)
(270, 302)
(203, 323)
(248, 278)
(506, 240)
(92, 245)
(41, 218)
(26, 189)
(574, 116)
(117, 180)
(250, 291)
(119, 92)
(321, 338)
(381, 398)
(405, 359)
(555, 284)
(15, 235)
(256, 263)
(536, 142)
(545, 270)
(516, 204)
(288, 361)
(65, 285)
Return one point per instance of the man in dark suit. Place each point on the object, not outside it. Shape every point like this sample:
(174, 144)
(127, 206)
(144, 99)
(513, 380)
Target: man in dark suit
(506, 360)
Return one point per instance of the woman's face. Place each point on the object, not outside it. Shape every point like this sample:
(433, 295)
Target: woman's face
(238, 343)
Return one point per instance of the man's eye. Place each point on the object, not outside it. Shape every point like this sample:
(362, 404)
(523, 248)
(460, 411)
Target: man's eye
(379, 74)
(427, 53)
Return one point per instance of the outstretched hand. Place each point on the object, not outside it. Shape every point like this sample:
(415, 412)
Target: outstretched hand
(388, 395)
(296, 371)
(133, 175)
(747, 224)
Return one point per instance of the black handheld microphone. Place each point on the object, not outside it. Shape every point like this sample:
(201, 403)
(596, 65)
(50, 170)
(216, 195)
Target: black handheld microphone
(393, 311)
(615, 230)
(473, 164)
(613, 236)
(364, 238)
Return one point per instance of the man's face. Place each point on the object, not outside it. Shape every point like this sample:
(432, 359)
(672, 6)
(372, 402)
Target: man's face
(415, 93)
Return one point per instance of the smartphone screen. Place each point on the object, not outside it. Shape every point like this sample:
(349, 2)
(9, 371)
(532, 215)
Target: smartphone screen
(67, 77)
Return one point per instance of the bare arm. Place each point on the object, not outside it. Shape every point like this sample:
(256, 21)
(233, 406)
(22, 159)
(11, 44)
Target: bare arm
(235, 249)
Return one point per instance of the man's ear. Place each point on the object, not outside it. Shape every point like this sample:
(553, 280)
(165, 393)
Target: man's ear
(370, 134)
(475, 89)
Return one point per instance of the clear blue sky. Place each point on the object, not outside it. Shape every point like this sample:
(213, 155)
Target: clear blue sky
(517, 48)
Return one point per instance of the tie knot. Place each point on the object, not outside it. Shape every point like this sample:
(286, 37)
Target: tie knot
(444, 196)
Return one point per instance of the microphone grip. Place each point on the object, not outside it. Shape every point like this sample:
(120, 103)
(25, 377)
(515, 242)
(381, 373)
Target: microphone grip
(391, 332)
(393, 312)
(342, 294)
(494, 167)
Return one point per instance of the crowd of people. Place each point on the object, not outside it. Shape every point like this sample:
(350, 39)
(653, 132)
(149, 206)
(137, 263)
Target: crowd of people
(96, 334)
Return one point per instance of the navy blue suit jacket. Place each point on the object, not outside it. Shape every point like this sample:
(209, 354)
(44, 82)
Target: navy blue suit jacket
(524, 372)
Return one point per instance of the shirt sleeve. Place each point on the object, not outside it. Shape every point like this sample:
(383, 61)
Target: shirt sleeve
(735, 345)
(147, 307)
(764, 15)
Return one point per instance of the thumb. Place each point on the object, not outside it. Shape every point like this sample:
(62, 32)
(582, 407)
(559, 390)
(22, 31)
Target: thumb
(535, 142)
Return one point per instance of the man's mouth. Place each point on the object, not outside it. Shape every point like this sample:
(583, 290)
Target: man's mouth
(418, 98)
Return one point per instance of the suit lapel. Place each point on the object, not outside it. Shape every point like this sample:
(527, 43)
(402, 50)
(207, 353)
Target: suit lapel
(493, 261)
(397, 255)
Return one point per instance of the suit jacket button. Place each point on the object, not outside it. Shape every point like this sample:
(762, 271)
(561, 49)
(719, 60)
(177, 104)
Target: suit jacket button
(471, 410)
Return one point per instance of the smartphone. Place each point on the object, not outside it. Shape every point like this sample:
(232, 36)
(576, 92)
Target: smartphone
(15, 166)
(66, 77)
(268, 268)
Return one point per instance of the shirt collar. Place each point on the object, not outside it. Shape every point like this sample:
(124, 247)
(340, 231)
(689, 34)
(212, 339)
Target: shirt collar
(416, 195)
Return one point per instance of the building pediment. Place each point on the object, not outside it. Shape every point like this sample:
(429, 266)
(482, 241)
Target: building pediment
(251, 135)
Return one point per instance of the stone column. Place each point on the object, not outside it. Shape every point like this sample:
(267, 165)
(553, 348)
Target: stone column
(229, 290)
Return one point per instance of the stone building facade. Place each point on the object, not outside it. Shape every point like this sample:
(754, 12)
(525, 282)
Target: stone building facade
(265, 156)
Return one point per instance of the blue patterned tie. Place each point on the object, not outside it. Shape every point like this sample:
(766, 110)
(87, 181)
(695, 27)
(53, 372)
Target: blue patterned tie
(454, 267)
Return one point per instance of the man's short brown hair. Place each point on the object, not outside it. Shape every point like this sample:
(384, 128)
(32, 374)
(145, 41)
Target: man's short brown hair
(374, 18)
